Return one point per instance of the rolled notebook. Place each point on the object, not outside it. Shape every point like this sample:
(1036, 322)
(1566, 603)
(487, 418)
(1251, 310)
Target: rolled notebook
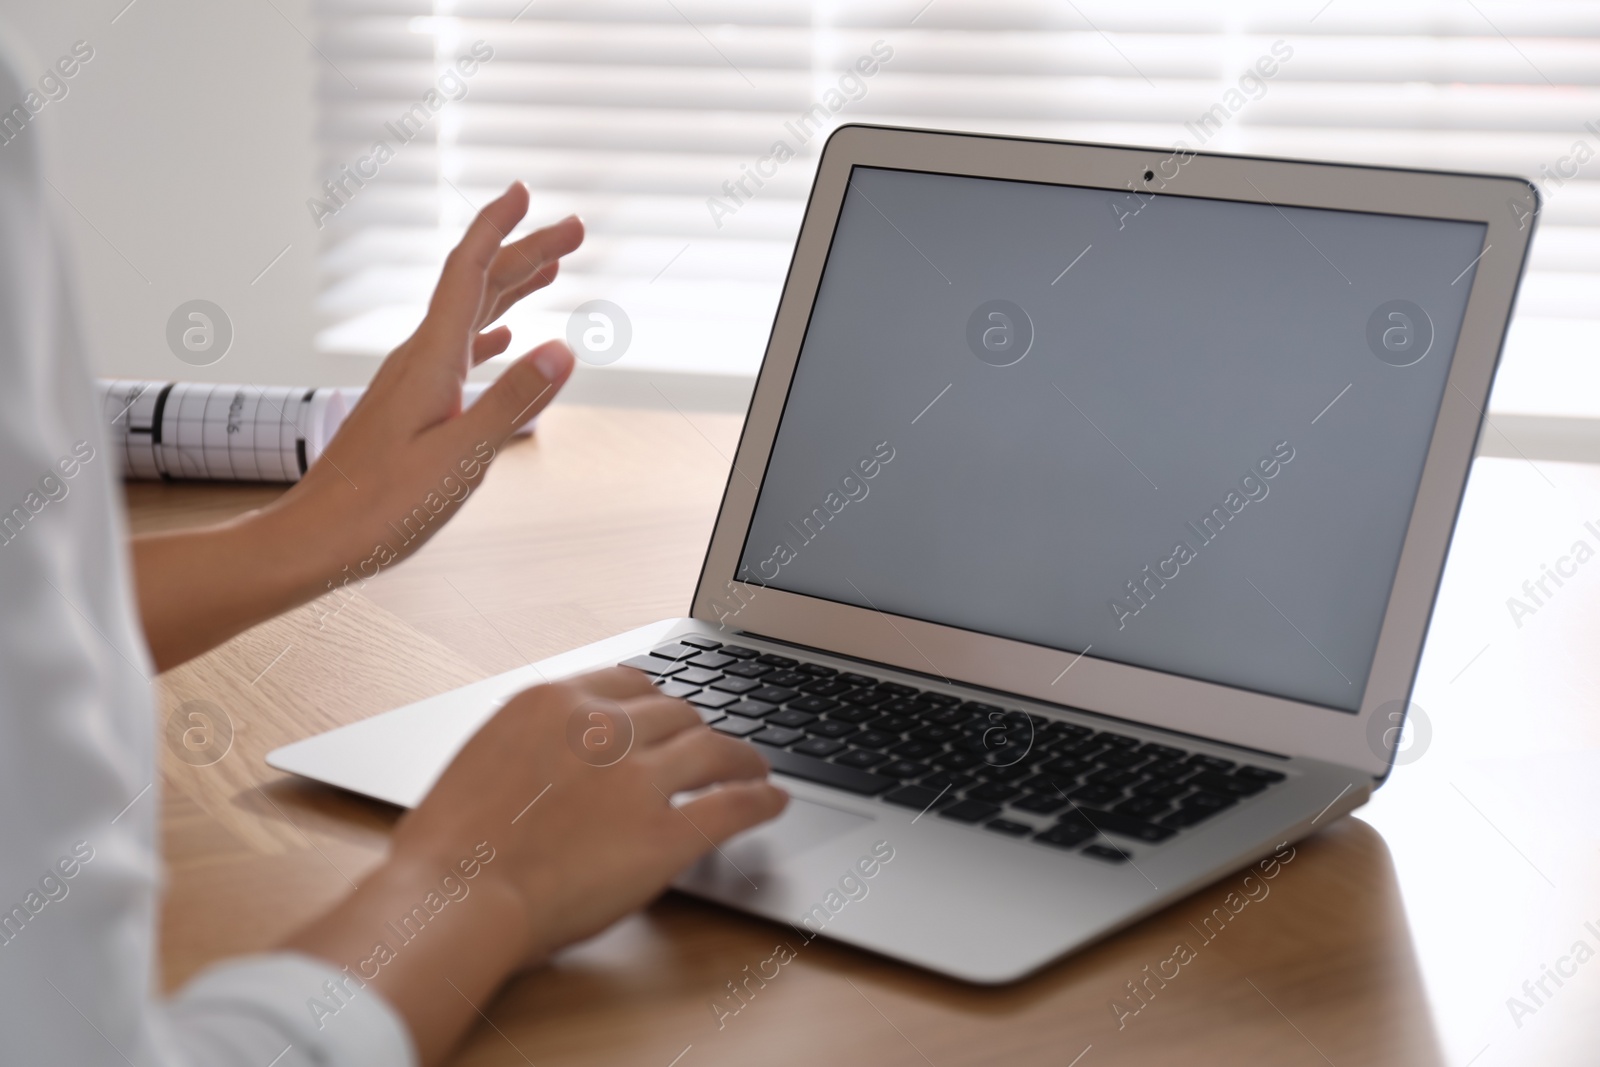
(242, 433)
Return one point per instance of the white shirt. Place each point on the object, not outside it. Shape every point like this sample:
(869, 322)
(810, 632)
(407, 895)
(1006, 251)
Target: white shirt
(80, 868)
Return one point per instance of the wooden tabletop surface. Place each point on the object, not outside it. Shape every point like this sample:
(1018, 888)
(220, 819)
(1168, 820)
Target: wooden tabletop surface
(1403, 935)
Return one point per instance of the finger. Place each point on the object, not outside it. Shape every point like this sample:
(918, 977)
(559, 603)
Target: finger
(516, 262)
(731, 808)
(498, 304)
(698, 758)
(491, 343)
(459, 295)
(656, 718)
(617, 683)
(523, 390)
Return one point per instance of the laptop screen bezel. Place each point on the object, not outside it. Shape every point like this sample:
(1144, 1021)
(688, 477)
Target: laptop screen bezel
(1506, 206)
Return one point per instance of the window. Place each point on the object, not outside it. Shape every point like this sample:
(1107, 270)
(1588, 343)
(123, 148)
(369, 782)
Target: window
(648, 117)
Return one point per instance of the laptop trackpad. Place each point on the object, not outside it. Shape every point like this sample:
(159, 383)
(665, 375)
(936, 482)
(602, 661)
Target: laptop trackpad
(803, 826)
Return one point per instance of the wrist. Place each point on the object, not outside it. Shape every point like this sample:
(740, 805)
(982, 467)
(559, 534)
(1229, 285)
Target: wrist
(303, 543)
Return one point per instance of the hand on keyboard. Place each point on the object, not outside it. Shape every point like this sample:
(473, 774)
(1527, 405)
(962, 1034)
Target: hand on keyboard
(602, 753)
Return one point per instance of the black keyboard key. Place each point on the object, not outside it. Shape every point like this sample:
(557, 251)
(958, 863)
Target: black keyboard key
(932, 732)
(917, 797)
(1065, 835)
(787, 679)
(1160, 789)
(748, 670)
(1211, 763)
(864, 698)
(736, 685)
(1053, 784)
(943, 700)
(777, 735)
(1142, 807)
(943, 780)
(1115, 778)
(1109, 853)
(854, 715)
(697, 676)
(975, 708)
(994, 792)
(816, 670)
(1084, 751)
(1162, 752)
(892, 724)
(862, 758)
(738, 652)
(1259, 773)
(677, 690)
(675, 651)
(970, 811)
(813, 705)
(1227, 784)
(904, 706)
(1095, 794)
(1014, 772)
(957, 761)
(1121, 758)
(821, 747)
(904, 768)
(791, 719)
(812, 769)
(755, 709)
(1066, 768)
(874, 739)
(825, 687)
(830, 728)
(1009, 828)
(699, 642)
(1003, 750)
(653, 665)
(858, 680)
(710, 698)
(916, 749)
(1109, 822)
(896, 689)
(736, 725)
(712, 661)
(1207, 802)
(1169, 770)
(1041, 803)
(1117, 740)
(772, 659)
(773, 694)
(945, 716)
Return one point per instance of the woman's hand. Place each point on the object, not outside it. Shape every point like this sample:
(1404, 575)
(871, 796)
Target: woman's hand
(602, 753)
(408, 454)
(405, 459)
(567, 790)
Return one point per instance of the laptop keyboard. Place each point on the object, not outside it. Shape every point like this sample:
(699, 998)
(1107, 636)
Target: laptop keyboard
(1053, 783)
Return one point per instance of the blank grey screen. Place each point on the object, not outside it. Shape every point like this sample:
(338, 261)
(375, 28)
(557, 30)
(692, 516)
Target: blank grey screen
(1190, 441)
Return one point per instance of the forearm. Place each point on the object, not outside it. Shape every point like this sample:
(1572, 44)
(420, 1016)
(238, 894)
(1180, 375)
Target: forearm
(197, 588)
(432, 942)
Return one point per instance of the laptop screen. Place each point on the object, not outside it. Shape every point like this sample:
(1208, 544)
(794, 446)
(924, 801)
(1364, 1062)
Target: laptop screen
(1178, 433)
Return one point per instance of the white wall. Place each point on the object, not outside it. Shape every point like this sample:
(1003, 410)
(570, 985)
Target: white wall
(186, 142)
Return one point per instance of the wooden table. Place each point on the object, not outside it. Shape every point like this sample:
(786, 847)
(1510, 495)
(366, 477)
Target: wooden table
(1394, 937)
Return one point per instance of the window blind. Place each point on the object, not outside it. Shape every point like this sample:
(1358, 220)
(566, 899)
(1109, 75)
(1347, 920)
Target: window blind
(659, 121)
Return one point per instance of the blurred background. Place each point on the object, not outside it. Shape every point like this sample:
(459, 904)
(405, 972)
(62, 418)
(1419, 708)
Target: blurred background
(191, 155)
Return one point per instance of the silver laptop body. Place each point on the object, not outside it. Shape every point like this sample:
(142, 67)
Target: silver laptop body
(1082, 538)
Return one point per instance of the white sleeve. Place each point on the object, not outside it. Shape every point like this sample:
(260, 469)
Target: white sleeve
(79, 864)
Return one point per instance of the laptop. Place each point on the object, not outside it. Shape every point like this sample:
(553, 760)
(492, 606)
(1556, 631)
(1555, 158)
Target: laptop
(1082, 537)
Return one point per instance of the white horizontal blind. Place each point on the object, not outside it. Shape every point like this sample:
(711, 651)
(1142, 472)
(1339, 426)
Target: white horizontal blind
(635, 113)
